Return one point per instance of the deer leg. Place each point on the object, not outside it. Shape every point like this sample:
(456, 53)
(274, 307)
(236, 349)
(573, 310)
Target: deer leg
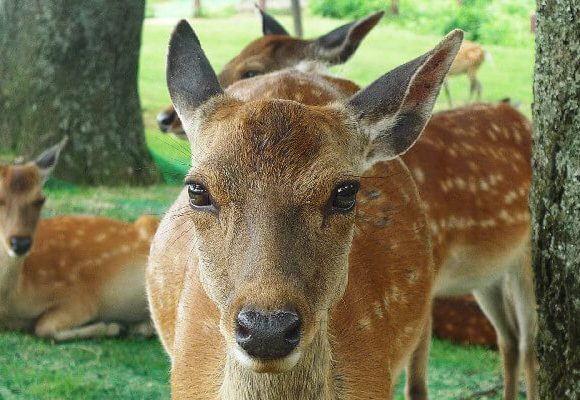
(524, 301)
(491, 301)
(68, 323)
(447, 93)
(416, 379)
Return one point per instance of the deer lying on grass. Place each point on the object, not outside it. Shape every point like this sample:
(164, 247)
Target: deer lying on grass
(470, 57)
(277, 50)
(68, 277)
(261, 280)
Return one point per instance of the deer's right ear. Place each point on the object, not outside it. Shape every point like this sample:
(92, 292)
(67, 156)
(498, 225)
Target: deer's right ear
(394, 109)
(270, 26)
(190, 78)
(46, 162)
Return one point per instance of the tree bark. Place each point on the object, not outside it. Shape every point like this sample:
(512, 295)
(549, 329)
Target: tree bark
(297, 16)
(70, 68)
(555, 197)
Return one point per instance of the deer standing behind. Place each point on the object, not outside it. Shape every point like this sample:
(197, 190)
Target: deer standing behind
(262, 281)
(470, 57)
(68, 277)
(276, 50)
(473, 169)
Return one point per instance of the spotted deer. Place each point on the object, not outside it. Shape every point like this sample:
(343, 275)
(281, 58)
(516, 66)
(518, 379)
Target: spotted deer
(70, 277)
(443, 164)
(473, 171)
(276, 50)
(269, 277)
(470, 57)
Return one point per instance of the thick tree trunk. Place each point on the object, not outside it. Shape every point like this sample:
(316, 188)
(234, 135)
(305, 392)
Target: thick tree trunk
(555, 198)
(70, 68)
(297, 16)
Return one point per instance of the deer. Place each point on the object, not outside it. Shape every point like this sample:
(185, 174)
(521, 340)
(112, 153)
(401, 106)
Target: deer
(68, 277)
(276, 50)
(443, 171)
(472, 168)
(296, 263)
(470, 57)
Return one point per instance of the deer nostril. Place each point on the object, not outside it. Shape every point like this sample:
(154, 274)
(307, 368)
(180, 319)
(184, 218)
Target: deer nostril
(268, 335)
(20, 244)
(164, 120)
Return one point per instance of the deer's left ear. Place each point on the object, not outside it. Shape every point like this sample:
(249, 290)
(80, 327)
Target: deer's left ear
(337, 46)
(394, 109)
(270, 26)
(46, 162)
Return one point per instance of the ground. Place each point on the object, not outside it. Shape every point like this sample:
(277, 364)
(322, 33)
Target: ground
(128, 369)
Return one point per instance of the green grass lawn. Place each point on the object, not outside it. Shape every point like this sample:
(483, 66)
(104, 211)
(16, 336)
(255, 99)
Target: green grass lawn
(126, 369)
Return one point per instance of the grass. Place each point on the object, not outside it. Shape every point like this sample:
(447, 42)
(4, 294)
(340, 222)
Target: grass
(125, 369)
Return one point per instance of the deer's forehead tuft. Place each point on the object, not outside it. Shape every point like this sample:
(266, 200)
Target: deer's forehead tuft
(21, 179)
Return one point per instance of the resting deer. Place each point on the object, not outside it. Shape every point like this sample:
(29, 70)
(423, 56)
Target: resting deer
(277, 50)
(67, 277)
(262, 281)
(468, 61)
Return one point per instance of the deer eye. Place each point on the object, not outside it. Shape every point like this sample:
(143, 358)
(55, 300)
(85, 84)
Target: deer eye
(199, 197)
(39, 203)
(344, 197)
(250, 74)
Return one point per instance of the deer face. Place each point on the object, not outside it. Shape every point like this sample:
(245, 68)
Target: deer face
(272, 191)
(277, 50)
(21, 200)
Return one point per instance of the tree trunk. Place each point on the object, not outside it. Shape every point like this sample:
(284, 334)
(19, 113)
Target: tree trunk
(70, 68)
(394, 7)
(555, 197)
(297, 16)
(196, 8)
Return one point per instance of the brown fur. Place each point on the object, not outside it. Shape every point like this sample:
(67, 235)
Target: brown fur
(472, 167)
(80, 270)
(360, 281)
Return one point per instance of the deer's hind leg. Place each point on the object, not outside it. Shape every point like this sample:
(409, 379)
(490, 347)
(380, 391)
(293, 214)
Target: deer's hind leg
(524, 303)
(500, 313)
(71, 321)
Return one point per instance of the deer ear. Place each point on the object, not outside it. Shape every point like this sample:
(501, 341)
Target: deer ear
(190, 78)
(338, 46)
(270, 26)
(395, 108)
(46, 162)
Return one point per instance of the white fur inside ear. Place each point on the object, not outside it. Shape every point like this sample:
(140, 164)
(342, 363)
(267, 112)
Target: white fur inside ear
(312, 67)
(378, 132)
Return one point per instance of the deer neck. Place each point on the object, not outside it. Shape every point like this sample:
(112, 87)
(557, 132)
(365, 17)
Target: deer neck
(311, 379)
(10, 273)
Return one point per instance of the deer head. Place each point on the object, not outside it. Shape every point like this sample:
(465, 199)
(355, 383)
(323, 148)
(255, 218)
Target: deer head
(21, 199)
(277, 50)
(272, 192)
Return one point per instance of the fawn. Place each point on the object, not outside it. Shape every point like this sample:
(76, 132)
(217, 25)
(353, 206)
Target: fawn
(277, 50)
(68, 277)
(261, 280)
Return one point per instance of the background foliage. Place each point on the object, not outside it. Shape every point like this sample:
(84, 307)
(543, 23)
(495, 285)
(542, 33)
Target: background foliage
(504, 22)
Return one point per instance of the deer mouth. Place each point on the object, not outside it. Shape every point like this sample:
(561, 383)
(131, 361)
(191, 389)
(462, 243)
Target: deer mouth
(273, 366)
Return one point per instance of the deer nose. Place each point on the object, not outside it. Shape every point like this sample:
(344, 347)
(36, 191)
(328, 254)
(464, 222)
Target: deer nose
(20, 244)
(268, 335)
(164, 120)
